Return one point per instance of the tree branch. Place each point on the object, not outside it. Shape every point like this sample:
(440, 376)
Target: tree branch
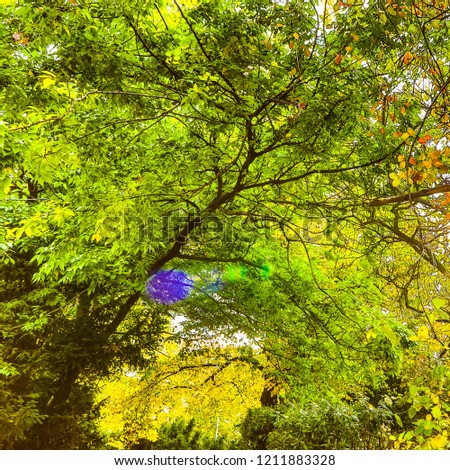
(409, 196)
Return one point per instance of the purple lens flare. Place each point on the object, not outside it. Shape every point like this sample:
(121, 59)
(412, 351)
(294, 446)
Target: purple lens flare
(169, 286)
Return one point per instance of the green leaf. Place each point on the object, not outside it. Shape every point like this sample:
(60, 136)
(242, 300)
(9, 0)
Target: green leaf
(438, 302)
(436, 412)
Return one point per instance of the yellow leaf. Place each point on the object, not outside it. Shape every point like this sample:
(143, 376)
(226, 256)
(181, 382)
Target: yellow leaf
(48, 82)
(370, 334)
(391, 11)
(422, 332)
(96, 237)
(438, 442)
(355, 37)
(405, 136)
(10, 232)
(296, 36)
(395, 183)
(427, 164)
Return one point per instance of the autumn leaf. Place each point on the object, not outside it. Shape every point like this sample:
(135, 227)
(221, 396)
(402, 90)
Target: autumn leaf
(407, 58)
(338, 59)
(422, 332)
(434, 154)
(424, 139)
(438, 442)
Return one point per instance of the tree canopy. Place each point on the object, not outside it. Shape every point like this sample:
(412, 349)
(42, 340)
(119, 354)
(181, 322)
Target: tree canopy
(293, 154)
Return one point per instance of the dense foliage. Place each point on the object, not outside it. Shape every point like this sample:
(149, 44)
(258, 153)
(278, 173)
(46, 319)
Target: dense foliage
(297, 151)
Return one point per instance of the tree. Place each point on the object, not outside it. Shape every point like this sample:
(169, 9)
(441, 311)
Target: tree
(140, 136)
(211, 385)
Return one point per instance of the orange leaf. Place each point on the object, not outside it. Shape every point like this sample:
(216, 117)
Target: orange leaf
(338, 59)
(434, 154)
(425, 139)
(407, 58)
(412, 161)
